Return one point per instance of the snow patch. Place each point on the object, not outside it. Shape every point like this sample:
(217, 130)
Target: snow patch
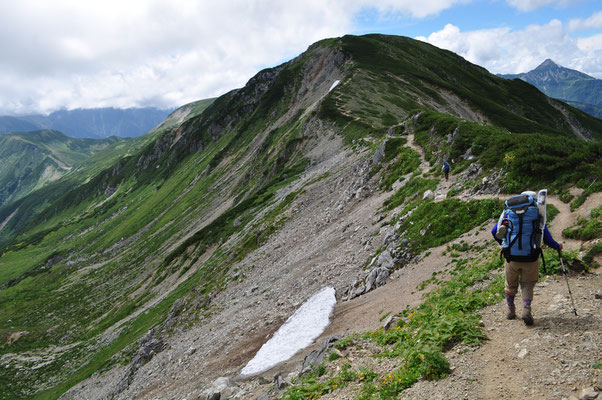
(334, 85)
(298, 332)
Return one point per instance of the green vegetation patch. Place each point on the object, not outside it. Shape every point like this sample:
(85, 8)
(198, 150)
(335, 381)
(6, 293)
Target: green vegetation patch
(529, 160)
(409, 69)
(590, 188)
(405, 161)
(432, 224)
(413, 190)
(312, 387)
(586, 229)
(448, 316)
(591, 253)
(570, 259)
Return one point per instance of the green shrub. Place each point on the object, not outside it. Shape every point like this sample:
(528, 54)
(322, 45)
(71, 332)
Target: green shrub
(414, 188)
(554, 266)
(586, 229)
(591, 253)
(529, 160)
(551, 212)
(432, 224)
(566, 196)
(407, 161)
(342, 344)
(594, 187)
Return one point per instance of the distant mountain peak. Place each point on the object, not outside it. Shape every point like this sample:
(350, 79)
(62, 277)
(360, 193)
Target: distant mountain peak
(548, 63)
(581, 90)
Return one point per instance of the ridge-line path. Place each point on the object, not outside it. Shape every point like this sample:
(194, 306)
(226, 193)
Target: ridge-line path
(553, 359)
(444, 185)
(550, 360)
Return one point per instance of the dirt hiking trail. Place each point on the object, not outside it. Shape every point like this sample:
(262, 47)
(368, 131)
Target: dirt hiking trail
(556, 358)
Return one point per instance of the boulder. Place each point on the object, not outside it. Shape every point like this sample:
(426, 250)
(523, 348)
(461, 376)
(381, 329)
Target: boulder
(222, 389)
(221, 383)
(314, 358)
(588, 393)
(429, 194)
(390, 322)
(263, 396)
(54, 260)
(279, 382)
(386, 260)
(381, 277)
(473, 169)
(379, 154)
(377, 277)
(390, 237)
(468, 155)
(149, 346)
(362, 192)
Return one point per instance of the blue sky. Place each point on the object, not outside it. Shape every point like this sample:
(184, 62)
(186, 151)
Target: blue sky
(473, 16)
(504, 36)
(65, 54)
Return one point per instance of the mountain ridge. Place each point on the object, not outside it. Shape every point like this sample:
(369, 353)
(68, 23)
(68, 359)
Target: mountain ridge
(30, 160)
(32, 203)
(213, 232)
(95, 123)
(569, 85)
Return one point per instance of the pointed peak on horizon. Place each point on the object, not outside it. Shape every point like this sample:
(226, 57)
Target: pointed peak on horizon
(548, 63)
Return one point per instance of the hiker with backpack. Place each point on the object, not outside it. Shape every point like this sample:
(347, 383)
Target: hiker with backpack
(521, 230)
(446, 167)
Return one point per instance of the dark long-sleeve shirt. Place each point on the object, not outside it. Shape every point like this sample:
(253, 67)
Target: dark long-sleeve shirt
(547, 237)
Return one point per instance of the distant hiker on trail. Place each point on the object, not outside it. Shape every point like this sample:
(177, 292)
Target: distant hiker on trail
(520, 231)
(446, 169)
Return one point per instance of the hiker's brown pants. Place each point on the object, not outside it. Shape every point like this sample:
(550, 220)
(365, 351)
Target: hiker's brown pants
(528, 272)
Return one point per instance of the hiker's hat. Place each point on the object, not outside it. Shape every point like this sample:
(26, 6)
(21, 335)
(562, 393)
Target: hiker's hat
(530, 193)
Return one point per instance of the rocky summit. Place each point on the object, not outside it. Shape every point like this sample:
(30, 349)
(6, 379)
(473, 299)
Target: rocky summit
(162, 273)
(576, 88)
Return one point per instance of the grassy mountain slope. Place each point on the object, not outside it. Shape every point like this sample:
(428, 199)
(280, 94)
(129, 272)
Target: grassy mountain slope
(31, 160)
(579, 89)
(403, 74)
(169, 227)
(20, 211)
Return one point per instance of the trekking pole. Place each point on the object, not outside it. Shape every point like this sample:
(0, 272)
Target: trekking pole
(565, 273)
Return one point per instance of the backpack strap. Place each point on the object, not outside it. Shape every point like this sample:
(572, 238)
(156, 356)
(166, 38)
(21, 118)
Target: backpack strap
(517, 237)
(543, 260)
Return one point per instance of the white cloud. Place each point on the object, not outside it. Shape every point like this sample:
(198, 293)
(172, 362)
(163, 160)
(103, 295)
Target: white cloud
(530, 5)
(72, 53)
(503, 50)
(416, 9)
(478, 47)
(593, 22)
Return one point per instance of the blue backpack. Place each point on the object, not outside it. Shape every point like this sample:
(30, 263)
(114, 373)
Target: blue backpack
(522, 240)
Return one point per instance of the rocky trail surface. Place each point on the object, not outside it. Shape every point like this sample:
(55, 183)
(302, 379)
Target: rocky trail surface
(557, 358)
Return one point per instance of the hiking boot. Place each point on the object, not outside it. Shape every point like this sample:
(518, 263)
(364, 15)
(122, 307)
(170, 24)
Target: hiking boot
(511, 312)
(527, 317)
